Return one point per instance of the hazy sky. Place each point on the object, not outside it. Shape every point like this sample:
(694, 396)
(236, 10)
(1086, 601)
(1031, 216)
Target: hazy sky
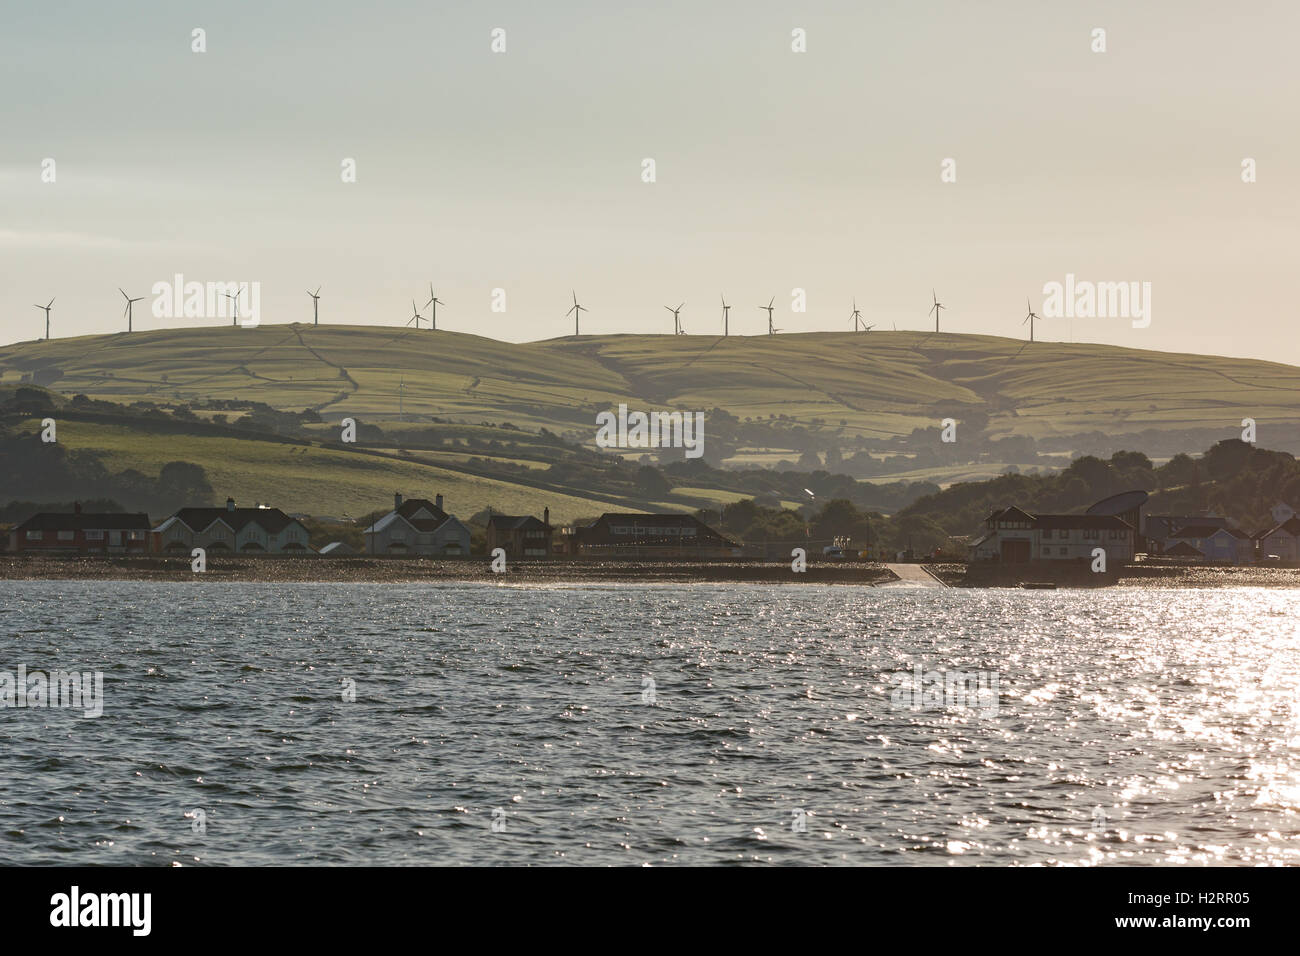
(775, 170)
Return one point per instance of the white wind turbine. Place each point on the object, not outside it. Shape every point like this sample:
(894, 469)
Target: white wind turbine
(935, 309)
(677, 322)
(435, 302)
(47, 318)
(315, 306)
(576, 312)
(129, 302)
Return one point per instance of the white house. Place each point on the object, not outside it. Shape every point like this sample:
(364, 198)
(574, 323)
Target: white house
(1282, 541)
(1016, 537)
(1216, 545)
(418, 526)
(244, 530)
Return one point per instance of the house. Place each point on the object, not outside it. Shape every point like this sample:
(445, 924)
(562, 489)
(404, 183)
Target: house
(259, 530)
(1282, 541)
(622, 535)
(1216, 545)
(1014, 536)
(1159, 529)
(418, 526)
(81, 533)
(1183, 551)
(520, 536)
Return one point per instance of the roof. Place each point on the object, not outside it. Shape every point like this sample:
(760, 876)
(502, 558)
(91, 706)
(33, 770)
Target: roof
(1291, 526)
(1183, 550)
(342, 547)
(271, 520)
(515, 522)
(1205, 531)
(1010, 514)
(80, 521)
(407, 511)
(1087, 522)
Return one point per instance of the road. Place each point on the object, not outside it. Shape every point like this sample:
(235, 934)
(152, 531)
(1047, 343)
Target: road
(913, 575)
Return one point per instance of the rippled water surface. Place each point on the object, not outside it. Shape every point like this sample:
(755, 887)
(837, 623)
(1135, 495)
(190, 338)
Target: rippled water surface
(651, 724)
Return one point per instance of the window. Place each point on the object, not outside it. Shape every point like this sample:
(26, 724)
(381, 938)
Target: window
(135, 535)
(67, 535)
(1064, 551)
(1091, 534)
(34, 536)
(94, 535)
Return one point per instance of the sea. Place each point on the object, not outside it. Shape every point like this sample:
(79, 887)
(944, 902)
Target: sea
(626, 724)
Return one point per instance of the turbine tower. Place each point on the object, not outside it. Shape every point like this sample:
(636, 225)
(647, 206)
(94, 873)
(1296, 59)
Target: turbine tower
(129, 302)
(315, 306)
(677, 322)
(435, 302)
(1030, 318)
(576, 312)
(935, 309)
(857, 316)
(416, 317)
(725, 309)
(47, 318)
(768, 307)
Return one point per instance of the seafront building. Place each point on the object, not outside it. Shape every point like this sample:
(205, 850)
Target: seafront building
(81, 533)
(628, 535)
(258, 530)
(418, 526)
(1014, 536)
(520, 536)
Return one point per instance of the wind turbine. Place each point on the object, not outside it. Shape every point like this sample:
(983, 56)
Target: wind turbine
(416, 317)
(127, 310)
(435, 302)
(576, 312)
(677, 322)
(47, 318)
(234, 319)
(725, 309)
(935, 309)
(1030, 319)
(768, 307)
(315, 306)
(857, 319)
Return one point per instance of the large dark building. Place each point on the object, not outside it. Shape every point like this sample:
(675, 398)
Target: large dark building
(621, 535)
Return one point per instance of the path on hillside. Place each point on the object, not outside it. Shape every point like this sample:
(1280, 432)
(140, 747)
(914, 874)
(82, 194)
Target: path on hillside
(914, 575)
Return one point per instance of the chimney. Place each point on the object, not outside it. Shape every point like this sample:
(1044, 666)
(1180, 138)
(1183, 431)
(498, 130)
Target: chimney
(230, 504)
(438, 501)
(76, 507)
(397, 500)
(546, 517)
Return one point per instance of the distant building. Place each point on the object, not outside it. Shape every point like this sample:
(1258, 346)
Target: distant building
(418, 526)
(1216, 545)
(624, 535)
(1014, 536)
(520, 536)
(1159, 529)
(1281, 541)
(240, 530)
(81, 533)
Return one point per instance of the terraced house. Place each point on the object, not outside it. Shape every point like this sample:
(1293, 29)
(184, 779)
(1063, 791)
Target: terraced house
(243, 530)
(418, 526)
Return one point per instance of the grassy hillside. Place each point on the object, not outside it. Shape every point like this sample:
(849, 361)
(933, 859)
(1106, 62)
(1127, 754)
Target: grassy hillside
(879, 384)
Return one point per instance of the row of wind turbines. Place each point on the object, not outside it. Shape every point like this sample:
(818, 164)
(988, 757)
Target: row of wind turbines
(859, 324)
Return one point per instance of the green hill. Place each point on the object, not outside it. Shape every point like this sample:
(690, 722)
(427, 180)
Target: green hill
(878, 397)
(880, 384)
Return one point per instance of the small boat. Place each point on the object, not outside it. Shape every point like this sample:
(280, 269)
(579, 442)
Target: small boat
(1038, 585)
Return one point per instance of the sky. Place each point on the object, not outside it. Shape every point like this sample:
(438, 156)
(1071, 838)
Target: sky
(774, 170)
